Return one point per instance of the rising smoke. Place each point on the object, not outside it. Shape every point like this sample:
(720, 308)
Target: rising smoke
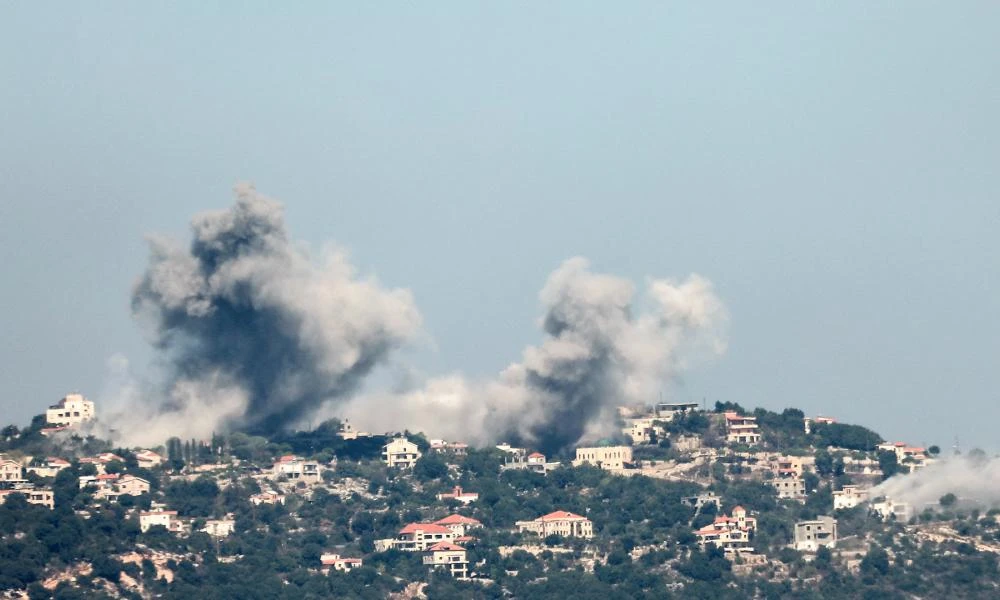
(256, 336)
(602, 347)
(973, 479)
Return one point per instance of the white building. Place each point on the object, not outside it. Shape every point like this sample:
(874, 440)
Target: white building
(40, 496)
(811, 535)
(339, 563)
(11, 471)
(561, 523)
(164, 518)
(459, 495)
(808, 422)
(219, 527)
(729, 533)
(401, 453)
(446, 555)
(741, 429)
(295, 468)
(148, 459)
(417, 537)
(610, 458)
(849, 497)
(71, 410)
(50, 468)
(888, 509)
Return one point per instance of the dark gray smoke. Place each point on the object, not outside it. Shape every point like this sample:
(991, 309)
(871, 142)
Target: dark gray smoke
(244, 318)
(603, 346)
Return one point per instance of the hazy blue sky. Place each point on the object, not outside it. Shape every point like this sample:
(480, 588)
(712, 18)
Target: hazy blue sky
(832, 169)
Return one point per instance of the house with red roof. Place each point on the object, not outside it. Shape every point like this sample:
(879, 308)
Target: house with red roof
(458, 524)
(417, 537)
(339, 563)
(450, 557)
(731, 533)
(459, 495)
(560, 522)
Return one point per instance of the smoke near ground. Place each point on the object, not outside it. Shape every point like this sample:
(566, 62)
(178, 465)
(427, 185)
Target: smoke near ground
(253, 334)
(973, 479)
(603, 346)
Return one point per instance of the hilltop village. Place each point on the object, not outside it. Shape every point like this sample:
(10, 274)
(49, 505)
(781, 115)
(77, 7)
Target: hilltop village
(685, 502)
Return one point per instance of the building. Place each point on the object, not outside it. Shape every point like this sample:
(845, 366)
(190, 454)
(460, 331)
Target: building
(729, 533)
(790, 488)
(808, 422)
(702, 499)
(49, 468)
(914, 457)
(401, 453)
(667, 412)
(11, 471)
(886, 508)
(219, 527)
(130, 485)
(849, 497)
(561, 523)
(164, 518)
(417, 537)
(741, 429)
(446, 555)
(71, 410)
(642, 430)
(793, 466)
(458, 448)
(811, 535)
(339, 563)
(40, 496)
(148, 459)
(295, 468)
(459, 495)
(267, 497)
(609, 458)
(348, 432)
(458, 524)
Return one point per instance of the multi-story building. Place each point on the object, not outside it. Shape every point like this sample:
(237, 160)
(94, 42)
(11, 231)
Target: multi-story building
(913, 457)
(296, 468)
(39, 496)
(459, 495)
(130, 485)
(401, 453)
(609, 458)
(849, 497)
(790, 488)
(667, 412)
(73, 409)
(49, 468)
(741, 429)
(561, 523)
(163, 518)
(148, 459)
(446, 555)
(11, 471)
(811, 535)
(417, 537)
(793, 466)
(458, 524)
(219, 527)
(729, 533)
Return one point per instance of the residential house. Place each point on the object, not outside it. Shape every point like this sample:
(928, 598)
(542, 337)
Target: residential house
(401, 453)
(339, 563)
(295, 468)
(731, 533)
(267, 497)
(888, 509)
(219, 527)
(791, 488)
(609, 458)
(641, 430)
(163, 518)
(417, 537)
(914, 457)
(459, 495)
(50, 467)
(667, 412)
(702, 499)
(148, 459)
(811, 535)
(741, 429)
(448, 556)
(73, 409)
(38, 496)
(130, 485)
(849, 497)
(793, 466)
(458, 524)
(11, 471)
(561, 523)
(808, 422)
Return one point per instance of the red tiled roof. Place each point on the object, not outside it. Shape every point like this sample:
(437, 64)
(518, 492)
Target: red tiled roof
(331, 561)
(442, 546)
(560, 515)
(457, 520)
(425, 527)
(536, 455)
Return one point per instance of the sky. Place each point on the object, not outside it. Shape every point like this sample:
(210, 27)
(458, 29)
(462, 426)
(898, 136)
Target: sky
(832, 168)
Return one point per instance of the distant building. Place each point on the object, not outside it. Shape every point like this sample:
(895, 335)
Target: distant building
(401, 453)
(38, 496)
(417, 537)
(667, 412)
(163, 518)
(448, 556)
(339, 563)
(130, 485)
(295, 468)
(459, 495)
(348, 432)
(729, 533)
(11, 471)
(219, 527)
(73, 409)
(267, 497)
(888, 509)
(849, 497)
(50, 468)
(458, 524)
(610, 458)
(794, 466)
(702, 499)
(741, 429)
(811, 535)
(561, 523)
(914, 457)
(148, 459)
(808, 422)
(790, 488)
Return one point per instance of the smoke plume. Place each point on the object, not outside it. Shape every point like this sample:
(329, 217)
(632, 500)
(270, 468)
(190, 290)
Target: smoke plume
(602, 347)
(973, 479)
(254, 335)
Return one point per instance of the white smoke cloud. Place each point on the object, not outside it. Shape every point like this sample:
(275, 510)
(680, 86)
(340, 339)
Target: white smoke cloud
(975, 481)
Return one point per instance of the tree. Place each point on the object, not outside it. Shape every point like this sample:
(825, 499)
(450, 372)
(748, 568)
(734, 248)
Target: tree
(889, 464)
(948, 500)
(934, 450)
